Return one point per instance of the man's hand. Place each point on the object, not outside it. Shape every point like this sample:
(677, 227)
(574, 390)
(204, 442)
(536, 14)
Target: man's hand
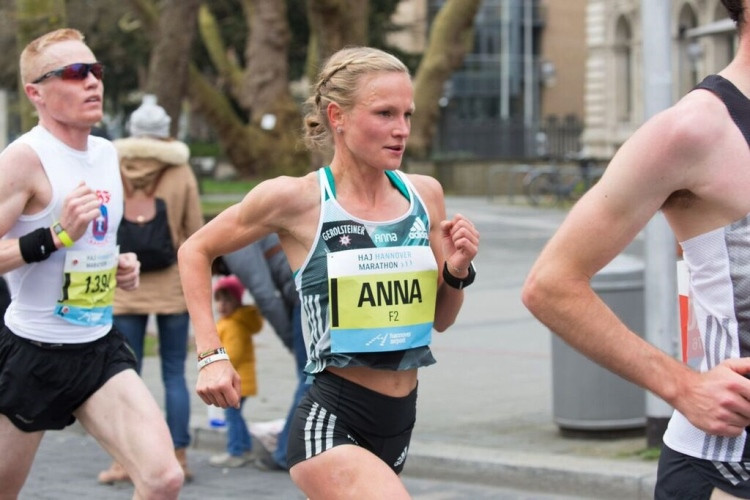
(718, 401)
(80, 207)
(128, 271)
(219, 385)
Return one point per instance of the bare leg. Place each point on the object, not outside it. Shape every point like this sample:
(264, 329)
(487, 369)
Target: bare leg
(123, 416)
(15, 467)
(721, 495)
(345, 472)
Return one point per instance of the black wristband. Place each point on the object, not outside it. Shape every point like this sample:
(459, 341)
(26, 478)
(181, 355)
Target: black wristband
(459, 283)
(37, 245)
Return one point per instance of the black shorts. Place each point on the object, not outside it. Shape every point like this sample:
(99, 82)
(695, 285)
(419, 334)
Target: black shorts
(336, 411)
(41, 385)
(688, 478)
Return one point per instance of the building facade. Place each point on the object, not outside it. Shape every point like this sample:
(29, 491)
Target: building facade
(703, 42)
(562, 75)
(491, 106)
(519, 94)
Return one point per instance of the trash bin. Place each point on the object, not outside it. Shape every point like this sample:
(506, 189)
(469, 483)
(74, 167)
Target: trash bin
(585, 396)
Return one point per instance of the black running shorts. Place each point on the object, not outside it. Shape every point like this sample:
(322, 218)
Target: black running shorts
(336, 411)
(42, 384)
(688, 478)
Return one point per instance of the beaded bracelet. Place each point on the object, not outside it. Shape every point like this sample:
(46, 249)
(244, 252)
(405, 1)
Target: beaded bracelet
(211, 359)
(218, 350)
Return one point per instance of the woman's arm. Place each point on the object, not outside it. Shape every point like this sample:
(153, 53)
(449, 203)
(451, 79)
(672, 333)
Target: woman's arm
(454, 243)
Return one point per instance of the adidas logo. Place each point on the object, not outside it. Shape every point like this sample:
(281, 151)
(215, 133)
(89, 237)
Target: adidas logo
(418, 230)
(350, 438)
(401, 458)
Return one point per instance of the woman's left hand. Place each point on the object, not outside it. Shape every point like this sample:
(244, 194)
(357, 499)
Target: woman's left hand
(460, 244)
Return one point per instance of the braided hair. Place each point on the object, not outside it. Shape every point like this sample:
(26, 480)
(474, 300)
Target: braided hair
(338, 83)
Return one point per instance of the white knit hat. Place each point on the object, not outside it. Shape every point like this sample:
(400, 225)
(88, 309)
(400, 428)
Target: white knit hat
(150, 119)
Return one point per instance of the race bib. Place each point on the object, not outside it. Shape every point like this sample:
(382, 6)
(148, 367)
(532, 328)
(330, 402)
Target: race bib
(88, 287)
(381, 299)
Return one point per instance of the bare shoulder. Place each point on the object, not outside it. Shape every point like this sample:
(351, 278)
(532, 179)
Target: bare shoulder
(24, 188)
(698, 120)
(18, 155)
(23, 179)
(279, 203)
(285, 194)
(432, 193)
(672, 148)
(428, 187)
(697, 141)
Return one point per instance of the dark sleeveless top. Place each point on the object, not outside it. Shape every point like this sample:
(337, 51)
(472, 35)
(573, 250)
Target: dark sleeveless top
(735, 101)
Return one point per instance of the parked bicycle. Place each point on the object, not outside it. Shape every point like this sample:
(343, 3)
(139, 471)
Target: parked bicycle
(554, 185)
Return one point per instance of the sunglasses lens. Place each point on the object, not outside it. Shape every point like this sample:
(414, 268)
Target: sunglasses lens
(97, 69)
(79, 71)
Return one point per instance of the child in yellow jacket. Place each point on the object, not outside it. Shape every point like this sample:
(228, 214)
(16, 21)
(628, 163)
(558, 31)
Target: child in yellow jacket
(236, 325)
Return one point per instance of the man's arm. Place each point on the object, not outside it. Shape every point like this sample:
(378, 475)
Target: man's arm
(16, 192)
(26, 190)
(662, 157)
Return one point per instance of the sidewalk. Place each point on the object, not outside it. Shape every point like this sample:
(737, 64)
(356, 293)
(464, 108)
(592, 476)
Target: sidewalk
(485, 411)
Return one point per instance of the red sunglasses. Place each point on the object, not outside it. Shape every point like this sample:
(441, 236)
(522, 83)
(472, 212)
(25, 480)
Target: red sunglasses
(75, 71)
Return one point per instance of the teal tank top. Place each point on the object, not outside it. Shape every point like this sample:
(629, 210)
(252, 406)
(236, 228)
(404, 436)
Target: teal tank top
(368, 288)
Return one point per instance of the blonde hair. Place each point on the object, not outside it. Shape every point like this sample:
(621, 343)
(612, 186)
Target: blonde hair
(30, 54)
(337, 82)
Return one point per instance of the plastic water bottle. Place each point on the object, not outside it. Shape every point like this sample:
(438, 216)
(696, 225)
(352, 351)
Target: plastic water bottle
(216, 418)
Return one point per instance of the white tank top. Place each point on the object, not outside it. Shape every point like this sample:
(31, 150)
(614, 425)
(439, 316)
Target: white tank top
(68, 297)
(718, 326)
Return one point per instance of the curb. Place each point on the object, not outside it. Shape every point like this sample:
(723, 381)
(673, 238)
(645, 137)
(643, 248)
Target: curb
(582, 477)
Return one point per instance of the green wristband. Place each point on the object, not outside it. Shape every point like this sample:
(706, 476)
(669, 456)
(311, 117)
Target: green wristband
(62, 234)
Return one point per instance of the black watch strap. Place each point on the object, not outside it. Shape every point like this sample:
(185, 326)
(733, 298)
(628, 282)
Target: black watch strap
(459, 283)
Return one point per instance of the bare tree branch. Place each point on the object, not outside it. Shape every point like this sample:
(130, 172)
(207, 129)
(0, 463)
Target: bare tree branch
(451, 37)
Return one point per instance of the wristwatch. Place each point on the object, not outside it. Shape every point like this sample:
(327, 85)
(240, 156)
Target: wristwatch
(62, 234)
(459, 283)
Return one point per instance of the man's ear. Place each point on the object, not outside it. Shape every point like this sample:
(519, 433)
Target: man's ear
(32, 92)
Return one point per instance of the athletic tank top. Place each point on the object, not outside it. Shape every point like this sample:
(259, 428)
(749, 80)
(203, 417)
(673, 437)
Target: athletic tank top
(368, 288)
(719, 296)
(68, 297)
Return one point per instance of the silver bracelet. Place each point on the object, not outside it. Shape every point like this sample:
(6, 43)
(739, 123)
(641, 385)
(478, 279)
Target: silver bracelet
(222, 356)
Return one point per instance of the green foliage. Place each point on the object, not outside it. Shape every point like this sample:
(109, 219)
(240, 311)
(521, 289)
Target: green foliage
(230, 18)
(201, 148)
(211, 209)
(150, 345)
(648, 454)
(119, 39)
(651, 454)
(297, 15)
(238, 186)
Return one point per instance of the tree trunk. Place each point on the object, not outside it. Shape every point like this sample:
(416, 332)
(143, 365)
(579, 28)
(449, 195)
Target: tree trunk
(228, 69)
(35, 18)
(451, 37)
(334, 24)
(237, 140)
(265, 89)
(168, 67)
(262, 87)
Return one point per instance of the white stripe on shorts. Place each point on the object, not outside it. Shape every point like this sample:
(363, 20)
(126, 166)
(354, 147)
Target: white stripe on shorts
(318, 431)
